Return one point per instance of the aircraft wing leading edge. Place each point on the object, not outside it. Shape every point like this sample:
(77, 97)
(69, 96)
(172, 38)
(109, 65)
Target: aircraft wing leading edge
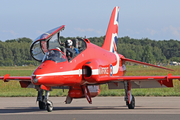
(143, 63)
(6, 78)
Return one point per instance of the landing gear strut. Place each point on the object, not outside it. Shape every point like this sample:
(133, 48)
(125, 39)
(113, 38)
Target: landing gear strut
(44, 103)
(40, 99)
(129, 98)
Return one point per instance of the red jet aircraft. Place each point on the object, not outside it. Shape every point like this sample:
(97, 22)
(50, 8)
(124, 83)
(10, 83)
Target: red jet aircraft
(83, 73)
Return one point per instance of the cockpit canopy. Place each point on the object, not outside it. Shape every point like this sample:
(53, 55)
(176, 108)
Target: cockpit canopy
(45, 42)
(55, 55)
(42, 46)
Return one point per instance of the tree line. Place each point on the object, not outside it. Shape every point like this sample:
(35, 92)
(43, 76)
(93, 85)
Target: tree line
(146, 50)
(17, 51)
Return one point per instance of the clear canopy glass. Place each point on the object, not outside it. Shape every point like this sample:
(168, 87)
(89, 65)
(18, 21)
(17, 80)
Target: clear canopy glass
(45, 42)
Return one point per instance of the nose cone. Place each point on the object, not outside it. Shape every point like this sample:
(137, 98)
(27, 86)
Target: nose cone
(51, 73)
(34, 79)
(43, 73)
(46, 67)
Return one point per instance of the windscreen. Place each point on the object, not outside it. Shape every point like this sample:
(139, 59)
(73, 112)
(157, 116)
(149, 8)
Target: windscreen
(36, 51)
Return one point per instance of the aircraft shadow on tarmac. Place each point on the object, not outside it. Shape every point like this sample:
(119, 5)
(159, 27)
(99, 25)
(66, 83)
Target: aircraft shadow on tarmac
(19, 110)
(106, 108)
(36, 109)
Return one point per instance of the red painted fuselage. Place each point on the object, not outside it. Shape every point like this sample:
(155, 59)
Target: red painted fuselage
(86, 68)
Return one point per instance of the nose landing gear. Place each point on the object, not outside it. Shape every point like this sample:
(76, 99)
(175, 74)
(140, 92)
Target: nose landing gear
(49, 106)
(44, 103)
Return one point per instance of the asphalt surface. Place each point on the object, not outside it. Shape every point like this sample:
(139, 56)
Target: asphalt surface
(105, 108)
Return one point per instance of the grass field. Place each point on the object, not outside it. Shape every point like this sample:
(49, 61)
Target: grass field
(12, 88)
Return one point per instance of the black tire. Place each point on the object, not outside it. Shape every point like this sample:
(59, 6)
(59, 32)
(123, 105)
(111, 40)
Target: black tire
(49, 106)
(127, 103)
(42, 105)
(132, 104)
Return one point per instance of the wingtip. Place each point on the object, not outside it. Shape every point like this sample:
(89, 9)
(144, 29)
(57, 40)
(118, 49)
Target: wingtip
(5, 77)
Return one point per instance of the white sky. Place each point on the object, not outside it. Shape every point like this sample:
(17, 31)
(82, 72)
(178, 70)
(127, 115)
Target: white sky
(153, 19)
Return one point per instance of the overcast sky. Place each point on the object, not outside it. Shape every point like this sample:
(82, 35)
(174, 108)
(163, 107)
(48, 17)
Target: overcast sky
(153, 19)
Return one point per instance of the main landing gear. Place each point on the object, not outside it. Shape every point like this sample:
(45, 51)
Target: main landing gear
(129, 98)
(43, 101)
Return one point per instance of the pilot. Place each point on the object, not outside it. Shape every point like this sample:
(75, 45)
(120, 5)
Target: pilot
(69, 47)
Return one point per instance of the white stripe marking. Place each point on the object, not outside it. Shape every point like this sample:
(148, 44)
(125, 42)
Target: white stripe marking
(113, 40)
(116, 67)
(73, 72)
(116, 15)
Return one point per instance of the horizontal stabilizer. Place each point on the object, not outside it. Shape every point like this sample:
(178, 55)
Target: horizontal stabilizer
(143, 63)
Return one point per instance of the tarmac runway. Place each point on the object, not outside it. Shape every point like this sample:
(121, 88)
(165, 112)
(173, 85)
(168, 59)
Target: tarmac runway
(102, 108)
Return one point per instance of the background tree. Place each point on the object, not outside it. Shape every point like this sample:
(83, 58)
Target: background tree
(147, 55)
(17, 51)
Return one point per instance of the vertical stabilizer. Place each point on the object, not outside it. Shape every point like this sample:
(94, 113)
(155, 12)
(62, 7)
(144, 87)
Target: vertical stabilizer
(110, 42)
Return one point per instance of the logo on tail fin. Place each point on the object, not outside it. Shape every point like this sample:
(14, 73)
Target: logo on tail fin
(110, 42)
(114, 35)
(113, 47)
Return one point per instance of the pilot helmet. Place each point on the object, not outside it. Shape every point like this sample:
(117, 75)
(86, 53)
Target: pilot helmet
(58, 48)
(69, 43)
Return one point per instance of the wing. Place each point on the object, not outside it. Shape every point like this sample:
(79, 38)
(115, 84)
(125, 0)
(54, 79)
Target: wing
(24, 81)
(140, 81)
(6, 78)
(143, 63)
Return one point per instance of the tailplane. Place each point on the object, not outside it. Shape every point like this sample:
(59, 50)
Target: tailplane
(110, 42)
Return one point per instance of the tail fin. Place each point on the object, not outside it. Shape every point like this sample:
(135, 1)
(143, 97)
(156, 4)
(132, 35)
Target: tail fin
(110, 42)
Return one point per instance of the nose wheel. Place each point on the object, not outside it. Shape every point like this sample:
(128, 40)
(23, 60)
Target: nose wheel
(49, 106)
(44, 103)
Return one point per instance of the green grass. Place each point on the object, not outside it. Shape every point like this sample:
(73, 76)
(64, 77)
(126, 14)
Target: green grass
(13, 88)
